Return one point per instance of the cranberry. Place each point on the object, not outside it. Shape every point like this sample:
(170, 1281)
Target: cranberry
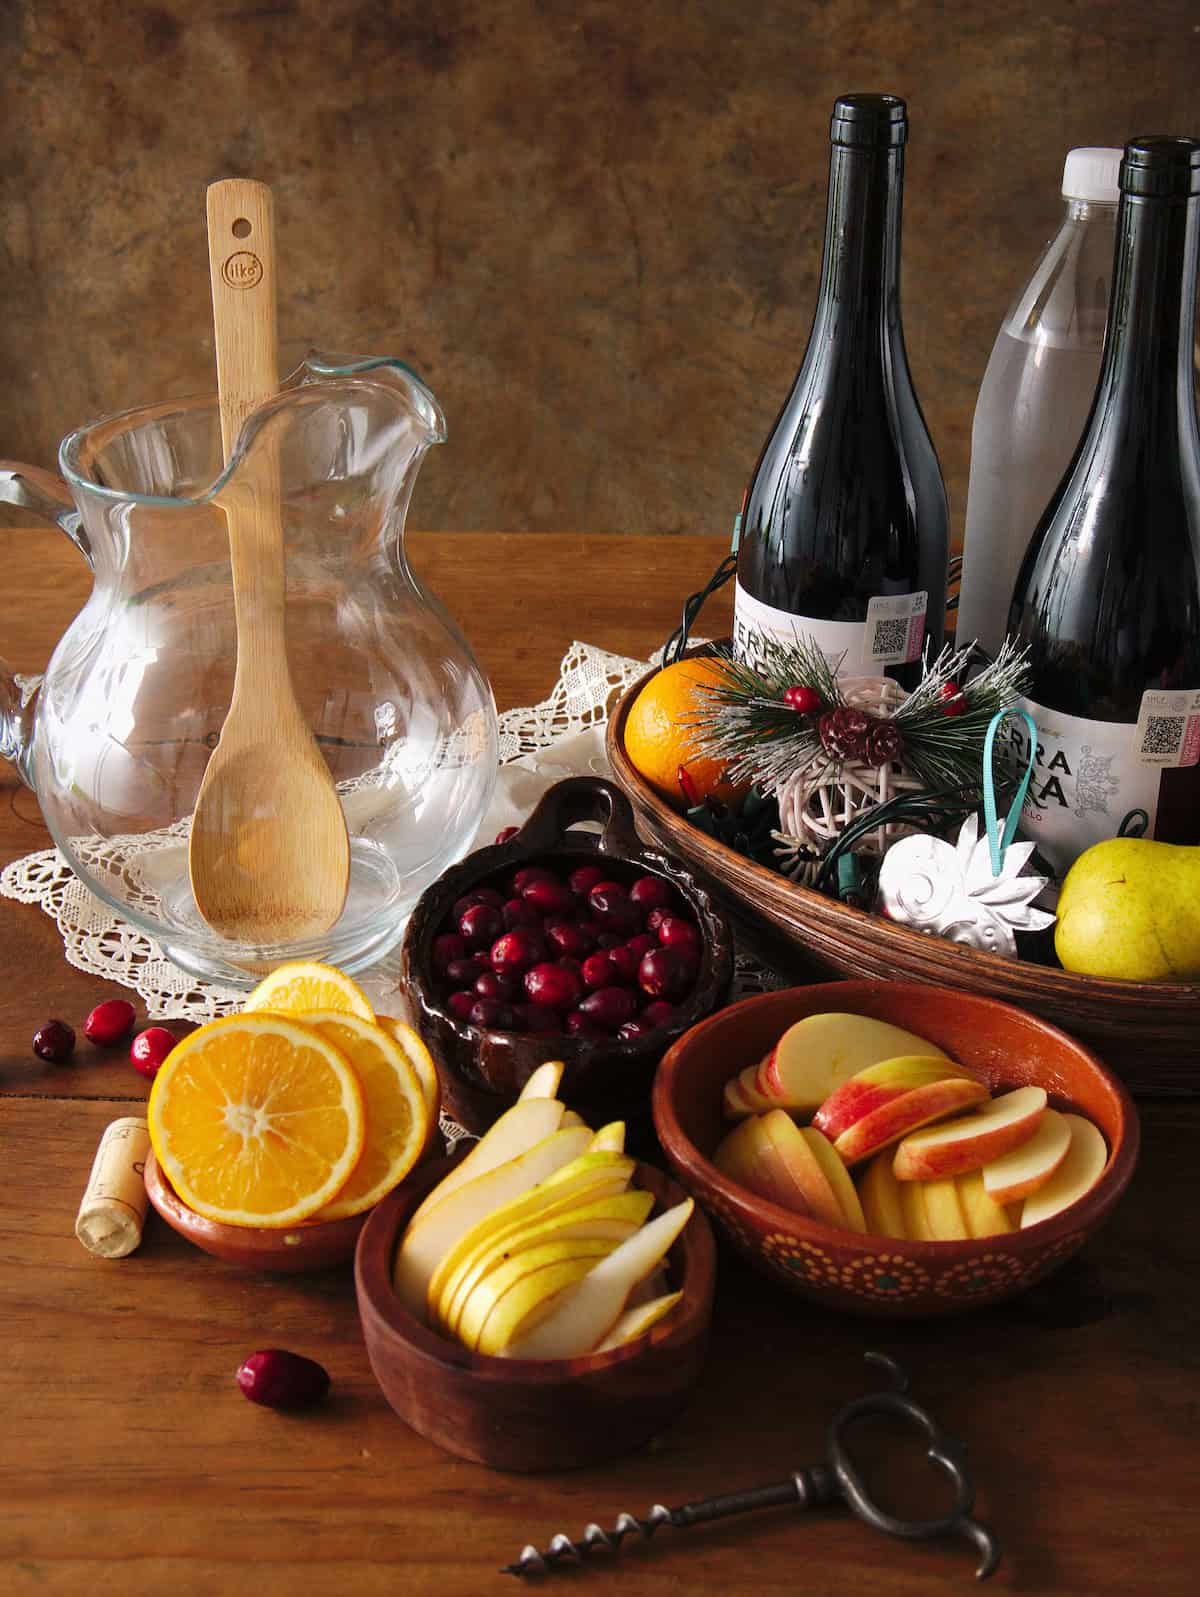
(460, 1005)
(675, 932)
(517, 950)
(55, 1041)
(109, 1022)
(573, 965)
(598, 970)
(569, 937)
(279, 1379)
(506, 832)
(446, 949)
(553, 986)
(642, 944)
(658, 1013)
(608, 1007)
(150, 1048)
(614, 909)
(530, 873)
(804, 700)
(607, 940)
(655, 919)
(578, 1025)
(651, 892)
(633, 1029)
(665, 973)
(625, 964)
(477, 895)
(537, 1018)
(481, 924)
(582, 880)
(491, 1014)
(547, 894)
(496, 984)
(517, 912)
(462, 972)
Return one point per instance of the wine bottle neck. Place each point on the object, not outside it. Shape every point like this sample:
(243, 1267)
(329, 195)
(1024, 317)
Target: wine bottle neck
(860, 269)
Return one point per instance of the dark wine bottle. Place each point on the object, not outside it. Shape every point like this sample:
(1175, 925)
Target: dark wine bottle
(843, 532)
(1108, 595)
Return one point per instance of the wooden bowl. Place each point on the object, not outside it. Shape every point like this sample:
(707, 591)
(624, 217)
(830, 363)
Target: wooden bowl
(1149, 1032)
(880, 1276)
(526, 1414)
(310, 1246)
(483, 1071)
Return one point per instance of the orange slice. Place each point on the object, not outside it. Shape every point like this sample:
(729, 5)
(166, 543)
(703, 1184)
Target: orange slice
(397, 1114)
(306, 985)
(256, 1120)
(419, 1058)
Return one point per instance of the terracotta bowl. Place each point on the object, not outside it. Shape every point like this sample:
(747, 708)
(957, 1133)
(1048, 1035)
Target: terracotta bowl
(483, 1071)
(878, 1275)
(1149, 1032)
(309, 1246)
(525, 1414)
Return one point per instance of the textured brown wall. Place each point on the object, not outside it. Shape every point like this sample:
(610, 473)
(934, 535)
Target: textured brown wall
(594, 227)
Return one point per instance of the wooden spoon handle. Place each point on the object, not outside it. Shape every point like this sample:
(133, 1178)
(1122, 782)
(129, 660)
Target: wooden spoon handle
(241, 260)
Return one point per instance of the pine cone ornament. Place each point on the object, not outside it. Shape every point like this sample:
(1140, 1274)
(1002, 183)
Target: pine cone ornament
(883, 743)
(843, 733)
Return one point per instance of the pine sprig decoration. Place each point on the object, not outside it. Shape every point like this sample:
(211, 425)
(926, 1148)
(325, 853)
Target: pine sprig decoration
(947, 751)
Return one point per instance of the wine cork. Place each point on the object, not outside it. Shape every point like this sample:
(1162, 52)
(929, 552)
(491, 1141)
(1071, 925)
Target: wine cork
(113, 1210)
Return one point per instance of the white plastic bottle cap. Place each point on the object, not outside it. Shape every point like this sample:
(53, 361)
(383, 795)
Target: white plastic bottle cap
(1091, 174)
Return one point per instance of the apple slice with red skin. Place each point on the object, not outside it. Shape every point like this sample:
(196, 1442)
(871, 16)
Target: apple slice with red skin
(838, 1177)
(968, 1143)
(1014, 1175)
(877, 1085)
(808, 1166)
(818, 1053)
(741, 1096)
(749, 1157)
(1078, 1173)
(889, 1122)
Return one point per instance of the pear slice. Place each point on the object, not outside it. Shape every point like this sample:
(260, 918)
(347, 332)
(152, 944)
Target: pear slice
(587, 1313)
(880, 1195)
(528, 1122)
(612, 1217)
(544, 1082)
(610, 1138)
(637, 1321)
(570, 1118)
(518, 1291)
(433, 1232)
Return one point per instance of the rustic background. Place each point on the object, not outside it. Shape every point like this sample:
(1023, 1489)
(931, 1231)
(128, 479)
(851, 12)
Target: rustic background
(593, 225)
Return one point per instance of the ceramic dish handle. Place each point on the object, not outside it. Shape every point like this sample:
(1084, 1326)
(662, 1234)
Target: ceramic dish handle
(582, 798)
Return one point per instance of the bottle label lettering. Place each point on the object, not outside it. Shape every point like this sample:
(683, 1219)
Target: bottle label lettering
(1168, 728)
(892, 634)
(1088, 783)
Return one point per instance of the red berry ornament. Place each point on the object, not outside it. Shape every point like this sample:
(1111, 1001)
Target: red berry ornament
(150, 1048)
(806, 701)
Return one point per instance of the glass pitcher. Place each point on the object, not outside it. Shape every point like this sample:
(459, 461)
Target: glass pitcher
(116, 737)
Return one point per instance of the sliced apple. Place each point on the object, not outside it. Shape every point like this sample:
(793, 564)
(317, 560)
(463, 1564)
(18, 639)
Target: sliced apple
(589, 1310)
(1014, 1175)
(838, 1177)
(749, 1157)
(741, 1096)
(971, 1141)
(944, 1217)
(637, 1321)
(1079, 1171)
(936, 1100)
(880, 1195)
(984, 1216)
(818, 1053)
(433, 1232)
(797, 1150)
(520, 1128)
(912, 1206)
(877, 1085)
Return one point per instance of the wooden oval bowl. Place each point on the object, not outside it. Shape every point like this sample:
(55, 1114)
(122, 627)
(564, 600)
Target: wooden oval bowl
(292, 1250)
(526, 1414)
(881, 1276)
(482, 1071)
(1149, 1032)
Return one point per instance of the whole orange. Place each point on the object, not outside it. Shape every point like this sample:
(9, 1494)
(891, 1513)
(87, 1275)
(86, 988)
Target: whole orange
(659, 738)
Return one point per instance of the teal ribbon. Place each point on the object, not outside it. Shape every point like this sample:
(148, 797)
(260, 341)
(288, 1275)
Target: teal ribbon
(998, 842)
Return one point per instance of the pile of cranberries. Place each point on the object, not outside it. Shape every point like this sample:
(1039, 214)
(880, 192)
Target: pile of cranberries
(584, 953)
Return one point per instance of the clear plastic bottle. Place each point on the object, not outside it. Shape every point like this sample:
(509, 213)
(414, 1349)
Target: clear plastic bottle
(1036, 394)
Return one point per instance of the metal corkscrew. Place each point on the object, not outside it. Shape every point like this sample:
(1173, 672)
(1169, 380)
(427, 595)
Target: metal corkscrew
(837, 1480)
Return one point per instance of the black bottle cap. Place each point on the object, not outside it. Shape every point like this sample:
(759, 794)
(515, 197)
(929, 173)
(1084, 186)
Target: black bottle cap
(878, 121)
(1161, 165)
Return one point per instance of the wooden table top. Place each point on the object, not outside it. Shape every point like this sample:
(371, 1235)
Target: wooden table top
(129, 1461)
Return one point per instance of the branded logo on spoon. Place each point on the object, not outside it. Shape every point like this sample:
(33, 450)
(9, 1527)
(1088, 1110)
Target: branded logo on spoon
(243, 269)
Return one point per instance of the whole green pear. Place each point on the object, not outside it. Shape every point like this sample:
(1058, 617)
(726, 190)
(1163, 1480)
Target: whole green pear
(1130, 908)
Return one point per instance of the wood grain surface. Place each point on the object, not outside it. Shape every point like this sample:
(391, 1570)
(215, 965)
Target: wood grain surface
(129, 1462)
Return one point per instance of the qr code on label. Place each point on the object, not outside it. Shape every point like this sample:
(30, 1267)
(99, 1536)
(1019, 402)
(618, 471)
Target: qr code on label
(1164, 734)
(891, 637)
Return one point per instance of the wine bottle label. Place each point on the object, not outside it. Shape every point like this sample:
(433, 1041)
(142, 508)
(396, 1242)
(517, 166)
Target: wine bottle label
(1168, 728)
(1088, 783)
(892, 634)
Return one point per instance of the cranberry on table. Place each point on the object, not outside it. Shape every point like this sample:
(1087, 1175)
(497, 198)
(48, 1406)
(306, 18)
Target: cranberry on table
(666, 973)
(655, 919)
(150, 1048)
(553, 986)
(658, 1013)
(109, 1023)
(607, 940)
(481, 924)
(570, 937)
(608, 1007)
(676, 932)
(625, 963)
(54, 1042)
(519, 949)
(651, 892)
(279, 1379)
(584, 878)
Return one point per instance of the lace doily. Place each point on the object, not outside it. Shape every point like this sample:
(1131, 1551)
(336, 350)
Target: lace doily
(539, 744)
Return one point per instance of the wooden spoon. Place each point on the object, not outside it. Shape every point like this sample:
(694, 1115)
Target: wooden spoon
(269, 857)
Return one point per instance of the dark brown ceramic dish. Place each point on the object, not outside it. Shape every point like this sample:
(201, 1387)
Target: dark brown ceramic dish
(525, 1414)
(1149, 1032)
(313, 1245)
(483, 1071)
(880, 1276)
